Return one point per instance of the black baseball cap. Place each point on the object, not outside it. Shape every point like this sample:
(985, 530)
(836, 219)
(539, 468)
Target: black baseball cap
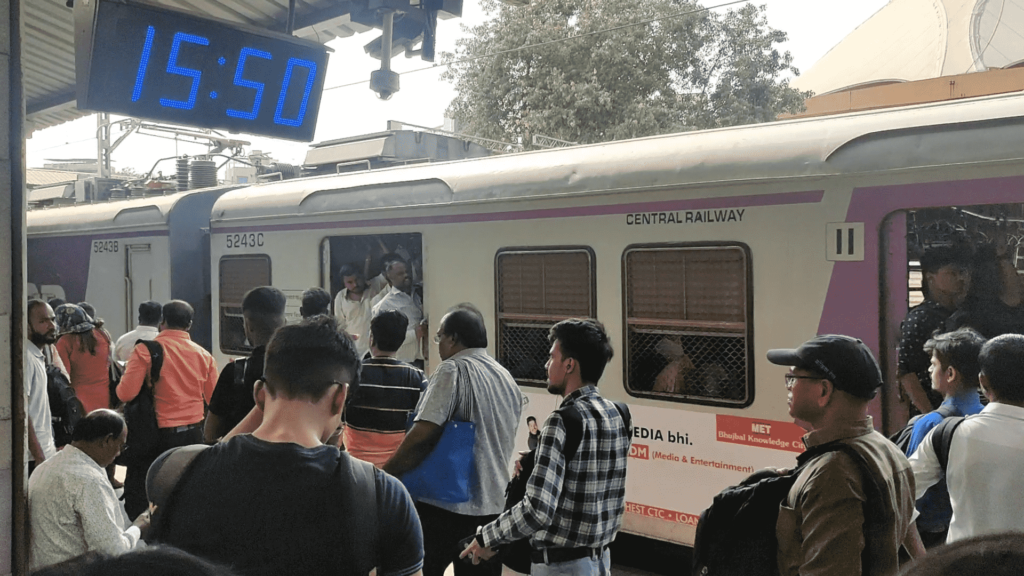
(843, 360)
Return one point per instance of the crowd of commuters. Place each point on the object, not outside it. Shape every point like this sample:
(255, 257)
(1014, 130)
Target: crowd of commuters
(296, 454)
(308, 438)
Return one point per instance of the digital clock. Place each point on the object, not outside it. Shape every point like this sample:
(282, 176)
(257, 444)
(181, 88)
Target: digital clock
(152, 62)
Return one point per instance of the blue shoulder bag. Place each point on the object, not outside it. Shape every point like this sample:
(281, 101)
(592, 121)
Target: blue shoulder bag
(447, 472)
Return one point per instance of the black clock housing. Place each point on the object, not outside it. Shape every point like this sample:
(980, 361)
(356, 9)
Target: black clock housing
(151, 62)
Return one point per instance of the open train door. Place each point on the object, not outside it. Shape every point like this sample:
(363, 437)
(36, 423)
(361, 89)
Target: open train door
(138, 280)
(992, 231)
(895, 277)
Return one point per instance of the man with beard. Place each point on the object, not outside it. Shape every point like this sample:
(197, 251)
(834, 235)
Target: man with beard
(353, 304)
(42, 331)
(402, 298)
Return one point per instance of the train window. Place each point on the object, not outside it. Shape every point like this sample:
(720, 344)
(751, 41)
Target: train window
(238, 275)
(536, 288)
(688, 329)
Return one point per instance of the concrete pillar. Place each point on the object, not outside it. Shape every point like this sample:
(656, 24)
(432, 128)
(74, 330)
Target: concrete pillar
(12, 301)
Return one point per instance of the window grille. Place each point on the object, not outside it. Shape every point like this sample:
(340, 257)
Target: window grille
(238, 275)
(536, 289)
(688, 323)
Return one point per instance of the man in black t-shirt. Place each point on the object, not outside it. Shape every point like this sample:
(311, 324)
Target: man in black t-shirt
(280, 501)
(944, 283)
(262, 314)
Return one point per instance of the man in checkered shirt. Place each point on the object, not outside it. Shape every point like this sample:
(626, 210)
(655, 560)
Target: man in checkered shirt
(572, 510)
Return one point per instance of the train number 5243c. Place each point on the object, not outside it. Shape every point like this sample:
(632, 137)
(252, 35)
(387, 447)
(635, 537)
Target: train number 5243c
(251, 240)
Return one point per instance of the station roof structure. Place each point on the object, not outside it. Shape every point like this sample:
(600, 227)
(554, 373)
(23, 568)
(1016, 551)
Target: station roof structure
(48, 43)
(910, 40)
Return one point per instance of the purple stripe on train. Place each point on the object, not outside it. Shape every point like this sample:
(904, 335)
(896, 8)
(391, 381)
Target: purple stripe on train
(111, 235)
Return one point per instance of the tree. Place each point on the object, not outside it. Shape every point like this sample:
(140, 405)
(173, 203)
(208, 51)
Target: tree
(522, 73)
(129, 172)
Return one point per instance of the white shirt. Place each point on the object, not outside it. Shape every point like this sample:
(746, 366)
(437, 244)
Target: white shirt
(354, 316)
(411, 306)
(38, 400)
(73, 509)
(985, 474)
(125, 344)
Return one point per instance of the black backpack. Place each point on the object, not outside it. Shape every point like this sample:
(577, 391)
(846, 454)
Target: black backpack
(942, 437)
(140, 413)
(65, 407)
(516, 555)
(902, 437)
(736, 535)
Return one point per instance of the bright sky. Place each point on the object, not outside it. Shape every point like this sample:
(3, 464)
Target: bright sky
(814, 27)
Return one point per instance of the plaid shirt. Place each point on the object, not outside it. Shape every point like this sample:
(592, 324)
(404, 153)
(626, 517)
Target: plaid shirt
(576, 504)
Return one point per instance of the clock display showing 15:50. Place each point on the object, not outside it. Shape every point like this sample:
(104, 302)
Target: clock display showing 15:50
(171, 66)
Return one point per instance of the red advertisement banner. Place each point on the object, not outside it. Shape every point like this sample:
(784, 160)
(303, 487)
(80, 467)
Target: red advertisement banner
(661, 513)
(758, 432)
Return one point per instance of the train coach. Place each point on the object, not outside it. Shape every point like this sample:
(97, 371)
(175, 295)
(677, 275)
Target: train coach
(116, 255)
(697, 251)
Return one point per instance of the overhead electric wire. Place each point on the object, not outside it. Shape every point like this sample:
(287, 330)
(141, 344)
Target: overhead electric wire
(555, 41)
(65, 144)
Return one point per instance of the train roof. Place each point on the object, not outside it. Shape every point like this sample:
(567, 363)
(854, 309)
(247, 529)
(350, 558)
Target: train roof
(121, 215)
(977, 130)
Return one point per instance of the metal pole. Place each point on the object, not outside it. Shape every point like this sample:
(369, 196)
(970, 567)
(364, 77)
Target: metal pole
(12, 299)
(103, 145)
(291, 18)
(385, 41)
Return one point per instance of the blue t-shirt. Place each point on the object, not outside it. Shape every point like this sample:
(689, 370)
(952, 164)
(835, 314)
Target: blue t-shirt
(933, 505)
(267, 508)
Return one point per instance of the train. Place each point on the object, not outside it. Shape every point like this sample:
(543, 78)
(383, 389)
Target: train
(118, 254)
(698, 252)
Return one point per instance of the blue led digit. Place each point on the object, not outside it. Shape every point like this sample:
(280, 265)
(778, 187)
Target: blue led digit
(292, 63)
(173, 68)
(143, 63)
(258, 86)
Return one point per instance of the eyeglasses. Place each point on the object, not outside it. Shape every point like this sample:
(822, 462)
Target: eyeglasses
(437, 338)
(792, 378)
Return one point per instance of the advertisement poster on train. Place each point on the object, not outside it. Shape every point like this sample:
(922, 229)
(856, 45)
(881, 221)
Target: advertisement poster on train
(679, 461)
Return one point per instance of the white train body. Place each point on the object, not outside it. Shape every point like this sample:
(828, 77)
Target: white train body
(786, 197)
(698, 252)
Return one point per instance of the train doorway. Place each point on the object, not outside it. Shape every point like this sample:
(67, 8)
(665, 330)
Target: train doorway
(138, 280)
(992, 239)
